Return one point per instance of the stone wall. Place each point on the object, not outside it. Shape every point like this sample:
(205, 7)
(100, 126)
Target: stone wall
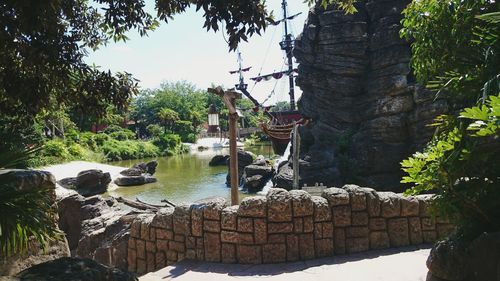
(282, 226)
(358, 89)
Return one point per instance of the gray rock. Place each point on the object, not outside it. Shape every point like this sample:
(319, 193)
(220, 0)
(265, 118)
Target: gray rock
(141, 168)
(244, 159)
(447, 260)
(134, 180)
(219, 160)
(90, 182)
(74, 269)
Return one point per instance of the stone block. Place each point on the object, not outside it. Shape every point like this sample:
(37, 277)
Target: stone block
(196, 221)
(131, 243)
(442, 220)
(409, 206)
(164, 234)
(152, 234)
(181, 256)
(273, 253)
(377, 224)
(171, 256)
(279, 203)
(306, 246)
(245, 225)
(379, 240)
(255, 207)
(429, 236)
(135, 229)
(132, 260)
(321, 209)
(357, 231)
(292, 247)
(228, 218)
(390, 204)
(150, 262)
(298, 225)
(213, 207)
(339, 240)
(308, 224)
(141, 266)
(145, 225)
(428, 224)
(199, 243)
(444, 230)
(211, 226)
(151, 246)
(323, 247)
(182, 219)
(301, 203)
(318, 230)
(163, 218)
(359, 218)
(212, 247)
(190, 242)
(229, 236)
(249, 254)
(191, 254)
(425, 201)
(279, 227)
(336, 196)
(245, 238)
(228, 253)
(372, 202)
(415, 230)
(398, 232)
(276, 238)
(162, 245)
(341, 216)
(141, 249)
(357, 196)
(179, 238)
(356, 245)
(160, 260)
(179, 247)
(327, 229)
(260, 231)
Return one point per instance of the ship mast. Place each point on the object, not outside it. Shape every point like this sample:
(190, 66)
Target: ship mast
(287, 46)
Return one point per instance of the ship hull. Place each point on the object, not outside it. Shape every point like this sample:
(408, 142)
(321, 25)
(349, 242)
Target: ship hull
(280, 133)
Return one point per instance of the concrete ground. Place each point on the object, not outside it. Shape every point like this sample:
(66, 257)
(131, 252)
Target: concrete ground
(403, 264)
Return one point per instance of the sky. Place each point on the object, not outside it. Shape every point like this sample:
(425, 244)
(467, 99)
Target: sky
(183, 50)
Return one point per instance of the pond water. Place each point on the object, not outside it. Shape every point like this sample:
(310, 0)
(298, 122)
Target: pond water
(184, 178)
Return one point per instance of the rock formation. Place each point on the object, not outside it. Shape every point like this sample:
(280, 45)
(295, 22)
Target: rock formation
(244, 159)
(88, 183)
(139, 174)
(256, 175)
(368, 113)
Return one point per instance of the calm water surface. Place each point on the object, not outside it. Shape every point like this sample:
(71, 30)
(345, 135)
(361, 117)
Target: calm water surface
(184, 178)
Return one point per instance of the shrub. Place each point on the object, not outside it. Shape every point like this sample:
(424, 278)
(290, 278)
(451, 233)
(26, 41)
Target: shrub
(124, 134)
(462, 165)
(55, 148)
(154, 130)
(169, 143)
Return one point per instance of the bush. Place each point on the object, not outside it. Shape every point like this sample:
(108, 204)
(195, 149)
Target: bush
(123, 150)
(154, 130)
(122, 135)
(169, 143)
(55, 148)
(462, 166)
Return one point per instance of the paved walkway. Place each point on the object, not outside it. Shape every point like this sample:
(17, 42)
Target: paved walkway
(403, 264)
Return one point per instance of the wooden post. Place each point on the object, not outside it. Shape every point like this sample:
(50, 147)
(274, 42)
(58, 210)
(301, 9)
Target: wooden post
(229, 99)
(296, 152)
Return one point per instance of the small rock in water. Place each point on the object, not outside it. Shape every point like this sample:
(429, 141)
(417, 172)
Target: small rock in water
(88, 182)
(219, 160)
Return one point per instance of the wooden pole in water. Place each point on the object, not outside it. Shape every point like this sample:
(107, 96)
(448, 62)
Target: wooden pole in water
(229, 99)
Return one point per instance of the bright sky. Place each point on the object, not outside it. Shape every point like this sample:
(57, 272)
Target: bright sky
(183, 50)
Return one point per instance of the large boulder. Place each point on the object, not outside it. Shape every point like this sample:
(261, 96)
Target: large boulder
(244, 159)
(29, 180)
(447, 260)
(74, 269)
(88, 182)
(218, 160)
(255, 177)
(284, 176)
(96, 228)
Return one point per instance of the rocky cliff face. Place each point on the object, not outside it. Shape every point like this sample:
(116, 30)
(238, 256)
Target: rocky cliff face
(368, 113)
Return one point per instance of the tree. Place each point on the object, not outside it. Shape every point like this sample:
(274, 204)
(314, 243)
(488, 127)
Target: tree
(167, 117)
(456, 50)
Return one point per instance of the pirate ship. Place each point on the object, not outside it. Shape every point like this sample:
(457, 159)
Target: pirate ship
(280, 124)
